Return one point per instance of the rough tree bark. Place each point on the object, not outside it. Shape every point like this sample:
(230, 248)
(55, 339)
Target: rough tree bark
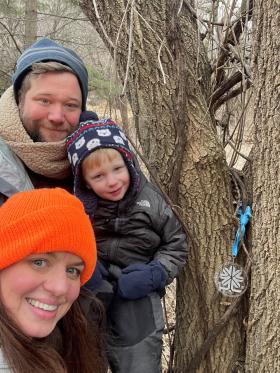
(182, 148)
(263, 341)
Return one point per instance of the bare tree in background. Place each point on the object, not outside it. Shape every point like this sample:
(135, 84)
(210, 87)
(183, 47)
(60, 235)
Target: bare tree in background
(23, 21)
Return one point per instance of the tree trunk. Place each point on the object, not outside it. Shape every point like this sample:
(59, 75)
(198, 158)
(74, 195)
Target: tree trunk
(30, 23)
(168, 97)
(263, 344)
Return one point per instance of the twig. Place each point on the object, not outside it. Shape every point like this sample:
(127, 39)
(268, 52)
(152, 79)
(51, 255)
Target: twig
(156, 34)
(242, 113)
(101, 25)
(180, 7)
(225, 86)
(160, 64)
(63, 17)
(117, 40)
(238, 152)
(12, 37)
(129, 48)
(229, 95)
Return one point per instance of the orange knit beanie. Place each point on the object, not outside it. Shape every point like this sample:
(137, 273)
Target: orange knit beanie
(46, 220)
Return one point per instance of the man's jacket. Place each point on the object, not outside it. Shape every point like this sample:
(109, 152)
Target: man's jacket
(13, 175)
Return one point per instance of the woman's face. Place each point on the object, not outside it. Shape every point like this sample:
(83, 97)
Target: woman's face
(39, 290)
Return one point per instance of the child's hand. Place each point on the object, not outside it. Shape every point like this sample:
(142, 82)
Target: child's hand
(97, 277)
(138, 280)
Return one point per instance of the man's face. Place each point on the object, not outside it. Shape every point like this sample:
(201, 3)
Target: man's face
(51, 108)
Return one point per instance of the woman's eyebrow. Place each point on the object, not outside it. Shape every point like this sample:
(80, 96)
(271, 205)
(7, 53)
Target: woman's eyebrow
(77, 264)
(80, 263)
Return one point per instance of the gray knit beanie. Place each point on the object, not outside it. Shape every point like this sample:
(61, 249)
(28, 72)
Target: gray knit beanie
(48, 50)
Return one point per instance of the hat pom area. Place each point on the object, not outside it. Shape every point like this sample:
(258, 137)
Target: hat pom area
(46, 220)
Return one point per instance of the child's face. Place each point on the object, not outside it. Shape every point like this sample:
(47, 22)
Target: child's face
(110, 180)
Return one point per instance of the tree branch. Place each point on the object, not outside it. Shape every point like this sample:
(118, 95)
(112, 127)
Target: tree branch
(232, 38)
(12, 36)
(229, 95)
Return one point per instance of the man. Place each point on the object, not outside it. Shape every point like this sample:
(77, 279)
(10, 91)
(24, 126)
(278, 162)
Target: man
(49, 92)
(50, 87)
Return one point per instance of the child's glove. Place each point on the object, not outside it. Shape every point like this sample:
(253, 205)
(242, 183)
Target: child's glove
(138, 280)
(100, 273)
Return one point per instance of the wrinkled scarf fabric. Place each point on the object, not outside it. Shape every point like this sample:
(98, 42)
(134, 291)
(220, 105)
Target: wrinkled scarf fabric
(45, 158)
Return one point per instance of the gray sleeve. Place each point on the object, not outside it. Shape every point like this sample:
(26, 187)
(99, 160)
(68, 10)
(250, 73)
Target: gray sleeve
(173, 250)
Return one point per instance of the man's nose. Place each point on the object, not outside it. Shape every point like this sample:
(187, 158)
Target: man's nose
(56, 114)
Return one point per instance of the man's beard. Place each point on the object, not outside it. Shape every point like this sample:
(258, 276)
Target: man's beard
(32, 127)
(35, 136)
(34, 131)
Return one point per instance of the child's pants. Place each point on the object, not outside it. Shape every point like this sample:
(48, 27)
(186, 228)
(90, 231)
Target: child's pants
(135, 335)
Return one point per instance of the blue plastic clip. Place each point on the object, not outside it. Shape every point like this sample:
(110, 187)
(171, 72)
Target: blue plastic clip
(243, 219)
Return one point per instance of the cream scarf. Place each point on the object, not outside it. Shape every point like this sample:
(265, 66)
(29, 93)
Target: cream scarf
(45, 158)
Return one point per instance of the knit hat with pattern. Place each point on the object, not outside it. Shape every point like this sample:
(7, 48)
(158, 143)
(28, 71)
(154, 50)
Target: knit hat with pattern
(46, 220)
(90, 136)
(45, 50)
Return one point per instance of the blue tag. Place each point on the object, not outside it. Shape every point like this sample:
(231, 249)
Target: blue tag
(243, 218)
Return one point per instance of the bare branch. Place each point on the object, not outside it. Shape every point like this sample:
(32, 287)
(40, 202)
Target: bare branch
(160, 64)
(129, 47)
(101, 25)
(232, 37)
(63, 17)
(225, 87)
(229, 95)
(12, 36)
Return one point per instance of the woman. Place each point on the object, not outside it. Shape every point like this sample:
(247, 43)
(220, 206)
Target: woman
(47, 251)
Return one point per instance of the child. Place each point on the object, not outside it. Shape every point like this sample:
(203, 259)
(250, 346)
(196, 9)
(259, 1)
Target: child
(139, 241)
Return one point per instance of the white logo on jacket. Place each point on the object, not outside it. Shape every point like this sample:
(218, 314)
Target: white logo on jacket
(143, 203)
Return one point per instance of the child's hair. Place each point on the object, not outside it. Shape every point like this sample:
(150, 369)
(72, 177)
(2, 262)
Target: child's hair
(96, 158)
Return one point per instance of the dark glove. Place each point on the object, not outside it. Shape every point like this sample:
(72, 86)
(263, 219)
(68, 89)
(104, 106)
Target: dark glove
(138, 280)
(88, 115)
(97, 277)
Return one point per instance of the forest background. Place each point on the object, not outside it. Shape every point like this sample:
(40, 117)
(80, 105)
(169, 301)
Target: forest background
(195, 84)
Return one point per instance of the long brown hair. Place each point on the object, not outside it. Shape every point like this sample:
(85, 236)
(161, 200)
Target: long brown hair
(76, 345)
